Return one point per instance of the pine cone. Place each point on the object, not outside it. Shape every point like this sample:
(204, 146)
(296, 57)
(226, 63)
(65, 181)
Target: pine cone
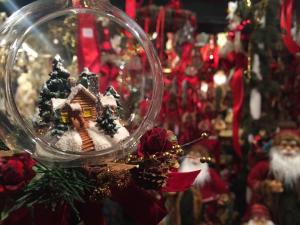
(150, 175)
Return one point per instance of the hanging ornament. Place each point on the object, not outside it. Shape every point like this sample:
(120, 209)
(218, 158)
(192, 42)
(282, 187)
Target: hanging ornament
(256, 66)
(72, 120)
(255, 104)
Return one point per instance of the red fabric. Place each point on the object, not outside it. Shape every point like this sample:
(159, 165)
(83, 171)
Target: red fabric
(144, 208)
(257, 174)
(88, 51)
(178, 182)
(214, 187)
(46, 216)
(286, 25)
(237, 87)
(91, 214)
(19, 217)
(130, 8)
(211, 192)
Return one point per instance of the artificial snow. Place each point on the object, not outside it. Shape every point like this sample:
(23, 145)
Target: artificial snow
(75, 90)
(100, 140)
(121, 134)
(108, 101)
(70, 141)
(58, 103)
(75, 107)
(103, 141)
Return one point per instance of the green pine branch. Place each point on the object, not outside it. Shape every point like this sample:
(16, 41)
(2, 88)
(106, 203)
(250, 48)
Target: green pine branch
(51, 188)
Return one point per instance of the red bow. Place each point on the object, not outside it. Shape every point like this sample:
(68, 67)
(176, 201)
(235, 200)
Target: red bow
(237, 87)
(286, 25)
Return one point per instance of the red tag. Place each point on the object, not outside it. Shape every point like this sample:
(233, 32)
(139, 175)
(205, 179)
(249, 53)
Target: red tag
(178, 182)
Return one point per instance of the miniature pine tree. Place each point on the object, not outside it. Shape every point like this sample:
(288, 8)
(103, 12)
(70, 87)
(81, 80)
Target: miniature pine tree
(111, 91)
(59, 127)
(84, 77)
(107, 122)
(55, 87)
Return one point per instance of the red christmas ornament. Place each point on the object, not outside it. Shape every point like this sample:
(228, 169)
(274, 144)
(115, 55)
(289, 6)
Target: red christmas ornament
(15, 172)
(154, 141)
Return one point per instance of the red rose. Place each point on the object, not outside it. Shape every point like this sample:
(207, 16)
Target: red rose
(15, 172)
(154, 141)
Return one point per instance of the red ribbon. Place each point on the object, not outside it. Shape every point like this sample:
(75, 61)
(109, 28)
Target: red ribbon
(178, 182)
(144, 208)
(160, 29)
(88, 51)
(286, 25)
(130, 8)
(237, 87)
(186, 56)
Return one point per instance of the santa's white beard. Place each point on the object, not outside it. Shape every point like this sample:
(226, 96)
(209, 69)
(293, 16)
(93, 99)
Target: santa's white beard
(188, 165)
(285, 168)
(252, 222)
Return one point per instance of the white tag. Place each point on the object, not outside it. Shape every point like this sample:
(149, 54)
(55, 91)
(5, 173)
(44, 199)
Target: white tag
(87, 32)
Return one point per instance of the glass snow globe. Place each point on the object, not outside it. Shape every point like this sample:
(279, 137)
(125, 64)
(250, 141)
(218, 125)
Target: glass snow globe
(80, 82)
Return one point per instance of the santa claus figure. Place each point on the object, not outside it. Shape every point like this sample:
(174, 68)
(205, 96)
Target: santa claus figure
(259, 215)
(276, 182)
(205, 202)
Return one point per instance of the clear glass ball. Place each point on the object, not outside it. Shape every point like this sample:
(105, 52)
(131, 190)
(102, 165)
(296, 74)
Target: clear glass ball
(46, 36)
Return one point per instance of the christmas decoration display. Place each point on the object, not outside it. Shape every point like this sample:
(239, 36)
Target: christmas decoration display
(231, 98)
(52, 195)
(274, 182)
(211, 190)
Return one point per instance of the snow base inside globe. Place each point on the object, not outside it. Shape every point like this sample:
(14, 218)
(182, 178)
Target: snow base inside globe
(80, 118)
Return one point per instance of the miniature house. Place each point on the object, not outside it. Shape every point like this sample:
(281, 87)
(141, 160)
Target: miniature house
(80, 100)
(78, 110)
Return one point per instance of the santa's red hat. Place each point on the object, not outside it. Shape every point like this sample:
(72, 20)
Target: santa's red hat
(286, 134)
(258, 210)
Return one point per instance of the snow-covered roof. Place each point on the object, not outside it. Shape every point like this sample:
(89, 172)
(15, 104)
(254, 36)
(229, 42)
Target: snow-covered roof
(75, 90)
(108, 101)
(75, 107)
(59, 103)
